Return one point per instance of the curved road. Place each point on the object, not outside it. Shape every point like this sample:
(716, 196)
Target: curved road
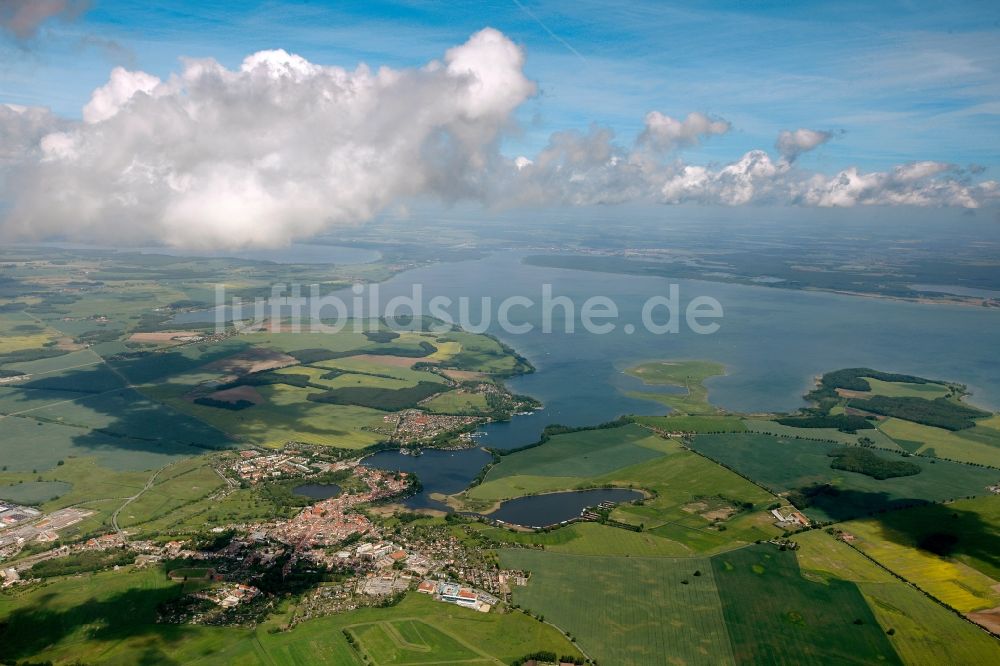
(149, 484)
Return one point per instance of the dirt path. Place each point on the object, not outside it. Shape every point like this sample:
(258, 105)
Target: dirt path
(149, 484)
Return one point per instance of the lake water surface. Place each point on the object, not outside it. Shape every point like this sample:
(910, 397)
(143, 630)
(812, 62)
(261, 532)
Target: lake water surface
(773, 341)
(554, 508)
(317, 491)
(445, 472)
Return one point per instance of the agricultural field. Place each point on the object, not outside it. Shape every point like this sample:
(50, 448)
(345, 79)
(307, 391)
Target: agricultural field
(696, 506)
(686, 374)
(979, 444)
(568, 460)
(950, 550)
(825, 493)
(413, 641)
(109, 618)
(697, 503)
(688, 424)
(19, 331)
(97, 315)
(920, 629)
(907, 389)
(331, 390)
(628, 611)
(776, 616)
(33, 492)
(830, 434)
(458, 401)
(924, 633)
(592, 539)
(896, 412)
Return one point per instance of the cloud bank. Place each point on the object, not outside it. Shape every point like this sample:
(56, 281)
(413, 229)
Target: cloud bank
(282, 148)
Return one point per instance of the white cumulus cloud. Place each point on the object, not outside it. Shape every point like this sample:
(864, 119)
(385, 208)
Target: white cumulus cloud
(663, 133)
(792, 143)
(123, 85)
(280, 148)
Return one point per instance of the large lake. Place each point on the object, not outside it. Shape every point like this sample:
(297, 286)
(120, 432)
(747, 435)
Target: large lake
(773, 342)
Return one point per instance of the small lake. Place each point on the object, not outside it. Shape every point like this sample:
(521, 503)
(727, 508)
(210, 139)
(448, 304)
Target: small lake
(317, 491)
(554, 508)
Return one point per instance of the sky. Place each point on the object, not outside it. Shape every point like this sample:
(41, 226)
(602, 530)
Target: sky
(853, 85)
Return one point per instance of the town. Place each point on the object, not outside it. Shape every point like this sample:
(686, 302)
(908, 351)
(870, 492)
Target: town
(334, 551)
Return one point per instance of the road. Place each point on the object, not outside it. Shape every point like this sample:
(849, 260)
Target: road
(149, 484)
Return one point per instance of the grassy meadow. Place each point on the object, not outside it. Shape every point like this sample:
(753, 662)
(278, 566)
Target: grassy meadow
(687, 374)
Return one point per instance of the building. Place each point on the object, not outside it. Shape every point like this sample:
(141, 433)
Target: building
(456, 594)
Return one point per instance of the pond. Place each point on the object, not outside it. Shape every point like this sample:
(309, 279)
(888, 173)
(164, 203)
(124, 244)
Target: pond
(317, 491)
(554, 508)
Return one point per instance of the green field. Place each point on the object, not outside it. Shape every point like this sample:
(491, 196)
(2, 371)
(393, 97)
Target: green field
(593, 539)
(689, 489)
(686, 374)
(922, 631)
(175, 487)
(457, 402)
(630, 610)
(568, 460)
(285, 415)
(33, 492)
(696, 505)
(831, 434)
(907, 389)
(109, 618)
(806, 463)
(775, 616)
(980, 445)
(413, 641)
(692, 423)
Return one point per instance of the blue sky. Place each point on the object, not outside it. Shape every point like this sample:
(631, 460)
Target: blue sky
(904, 81)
